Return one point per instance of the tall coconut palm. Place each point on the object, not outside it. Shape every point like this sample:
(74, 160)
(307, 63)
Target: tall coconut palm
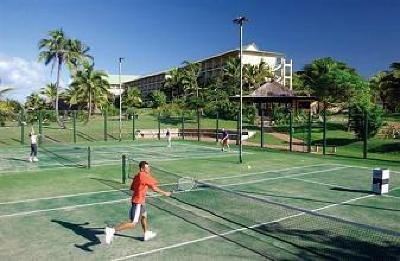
(59, 50)
(90, 86)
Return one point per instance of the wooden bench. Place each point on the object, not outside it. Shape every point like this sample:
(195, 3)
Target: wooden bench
(333, 148)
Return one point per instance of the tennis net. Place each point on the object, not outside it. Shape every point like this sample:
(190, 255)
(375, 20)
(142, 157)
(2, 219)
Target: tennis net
(260, 224)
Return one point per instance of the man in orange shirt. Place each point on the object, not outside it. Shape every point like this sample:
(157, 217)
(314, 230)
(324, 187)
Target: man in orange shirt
(139, 186)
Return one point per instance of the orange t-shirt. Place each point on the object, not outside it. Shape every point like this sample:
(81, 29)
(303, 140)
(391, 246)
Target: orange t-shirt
(140, 182)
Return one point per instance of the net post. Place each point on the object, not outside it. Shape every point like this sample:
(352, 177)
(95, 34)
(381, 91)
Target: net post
(237, 128)
(133, 126)
(309, 131)
(290, 130)
(105, 124)
(123, 168)
(40, 119)
(365, 143)
(216, 127)
(324, 130)
(183, 125)
(198, 124)
(262, 129)
(159, 125)
(74, 124)
(89, 159)
(22, 125)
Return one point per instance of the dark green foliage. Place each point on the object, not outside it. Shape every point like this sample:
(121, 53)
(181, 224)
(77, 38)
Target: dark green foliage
(358, 116)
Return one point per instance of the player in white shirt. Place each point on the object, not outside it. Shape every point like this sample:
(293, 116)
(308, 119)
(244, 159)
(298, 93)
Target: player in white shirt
(33, 138)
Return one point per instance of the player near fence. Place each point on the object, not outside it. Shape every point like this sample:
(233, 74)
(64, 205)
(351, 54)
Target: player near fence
(225, 140)
(33, 139)
(169, 137)
(139, 187)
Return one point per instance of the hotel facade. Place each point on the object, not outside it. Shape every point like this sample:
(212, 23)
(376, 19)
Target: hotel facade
(213, 66)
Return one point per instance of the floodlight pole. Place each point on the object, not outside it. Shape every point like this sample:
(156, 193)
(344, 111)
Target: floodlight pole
(240, 20)
(120, 99)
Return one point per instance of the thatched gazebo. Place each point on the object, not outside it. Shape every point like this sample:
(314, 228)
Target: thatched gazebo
(273, 94)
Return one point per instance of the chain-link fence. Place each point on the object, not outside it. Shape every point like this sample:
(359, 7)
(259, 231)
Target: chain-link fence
(353, 133)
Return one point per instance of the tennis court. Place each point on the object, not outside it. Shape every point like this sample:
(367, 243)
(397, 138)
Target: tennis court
(276, 205)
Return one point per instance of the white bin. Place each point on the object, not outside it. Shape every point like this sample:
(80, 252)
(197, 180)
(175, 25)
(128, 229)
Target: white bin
(380, 180)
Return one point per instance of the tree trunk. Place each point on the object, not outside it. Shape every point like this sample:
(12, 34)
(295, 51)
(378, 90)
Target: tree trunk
(90, 104)
(57, 89)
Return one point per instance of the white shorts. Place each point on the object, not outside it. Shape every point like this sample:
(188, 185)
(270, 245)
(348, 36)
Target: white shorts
(136, 211)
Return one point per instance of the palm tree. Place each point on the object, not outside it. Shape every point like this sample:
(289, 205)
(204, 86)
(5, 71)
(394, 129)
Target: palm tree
(173, 82)
(34, 102)
(231, 76)
(89, 85)
(190, 74)
(378, 86)
(59, 50)
(4, 91)
(50, 91)
(132, 97)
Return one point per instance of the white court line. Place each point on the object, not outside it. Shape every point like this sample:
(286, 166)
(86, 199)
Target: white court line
(115, 190)
(363, 167)
(232, 231)
(107, 202)
(281, 177)
(267, 171)
(58, 197)
(25, 213)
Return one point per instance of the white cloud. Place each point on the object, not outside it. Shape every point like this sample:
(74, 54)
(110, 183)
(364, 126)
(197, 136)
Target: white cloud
(22, 75)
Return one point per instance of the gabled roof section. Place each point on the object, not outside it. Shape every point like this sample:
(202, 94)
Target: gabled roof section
(272, 89)
(113, 79)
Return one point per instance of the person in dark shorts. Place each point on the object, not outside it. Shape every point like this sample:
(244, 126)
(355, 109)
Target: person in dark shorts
(225, 140)
(33, 139)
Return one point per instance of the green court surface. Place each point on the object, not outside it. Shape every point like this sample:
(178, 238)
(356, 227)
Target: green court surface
(275, 205)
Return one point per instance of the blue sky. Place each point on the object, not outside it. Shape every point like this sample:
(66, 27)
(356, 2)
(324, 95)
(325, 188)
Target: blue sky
(155, 35)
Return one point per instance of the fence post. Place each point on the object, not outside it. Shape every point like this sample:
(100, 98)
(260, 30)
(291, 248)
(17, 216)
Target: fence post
(89, 159)
(159, 125)
(133, 126)
(105, 125)
(324, 131)
(309, 132)
(237, 128)
(183, 125)
(262, 129)
(74, 124)
(216, 128)
(198, 124)
(22, 124)
(365, 145)
(40, 118)
(290, 130)
(123, 168)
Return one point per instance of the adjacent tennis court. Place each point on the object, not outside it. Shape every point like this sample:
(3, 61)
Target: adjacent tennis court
(276, 205)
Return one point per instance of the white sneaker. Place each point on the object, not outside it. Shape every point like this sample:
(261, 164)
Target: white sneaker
(149, 235)
(35, 159)
(30, 159)
(109, 234)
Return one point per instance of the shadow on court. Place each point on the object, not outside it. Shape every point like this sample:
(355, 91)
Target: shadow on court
(89, 233)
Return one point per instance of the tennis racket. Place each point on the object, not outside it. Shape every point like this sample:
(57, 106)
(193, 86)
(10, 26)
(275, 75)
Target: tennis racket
(185, 184)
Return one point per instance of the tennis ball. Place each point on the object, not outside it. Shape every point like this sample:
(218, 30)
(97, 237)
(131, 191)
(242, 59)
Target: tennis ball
(248, 166)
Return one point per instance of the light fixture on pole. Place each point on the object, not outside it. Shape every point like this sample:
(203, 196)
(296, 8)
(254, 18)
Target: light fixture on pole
(120, 99)
(240, 20)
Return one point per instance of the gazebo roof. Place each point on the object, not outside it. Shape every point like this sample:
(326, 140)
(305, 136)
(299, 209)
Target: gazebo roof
(272, 89)
(273, 92)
